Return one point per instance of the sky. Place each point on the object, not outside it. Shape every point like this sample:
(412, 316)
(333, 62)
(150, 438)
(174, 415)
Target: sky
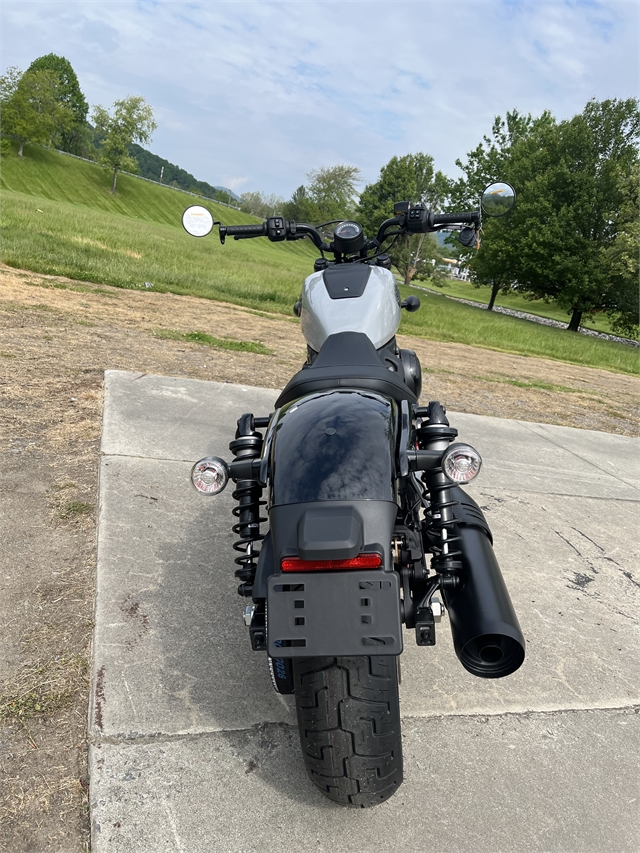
(253, 95)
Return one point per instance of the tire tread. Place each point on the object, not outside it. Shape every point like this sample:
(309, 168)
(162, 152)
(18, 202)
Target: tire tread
(349, 723)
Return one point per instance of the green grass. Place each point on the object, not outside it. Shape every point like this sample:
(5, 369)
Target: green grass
(517, 302)
(45, 174)
(216, 343)
(58, 217)
(444, 320)
(59, 238)
(525, 383)
(74, 508)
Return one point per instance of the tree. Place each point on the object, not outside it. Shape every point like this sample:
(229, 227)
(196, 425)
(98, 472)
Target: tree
(31, 106)
(132, 121)
(408, 178)
(621, 257)
(570, 176)
(333, 191)
(73, 137)
(261, 205)
(575, 175)
(489, 162)
(301, 207)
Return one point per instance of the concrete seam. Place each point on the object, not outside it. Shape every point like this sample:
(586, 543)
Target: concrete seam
(577, 455)
(124, 740)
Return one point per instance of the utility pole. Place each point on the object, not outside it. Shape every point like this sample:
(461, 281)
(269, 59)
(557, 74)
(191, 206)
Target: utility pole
(161, 173)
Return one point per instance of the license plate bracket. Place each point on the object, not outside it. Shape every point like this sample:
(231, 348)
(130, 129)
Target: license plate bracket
(333, 613)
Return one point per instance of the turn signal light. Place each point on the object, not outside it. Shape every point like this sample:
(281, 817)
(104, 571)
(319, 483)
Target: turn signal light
(364, 561)
(461, 463)
(209, 476)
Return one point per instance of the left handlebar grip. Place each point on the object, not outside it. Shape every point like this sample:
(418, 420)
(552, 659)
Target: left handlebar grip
(246, 230)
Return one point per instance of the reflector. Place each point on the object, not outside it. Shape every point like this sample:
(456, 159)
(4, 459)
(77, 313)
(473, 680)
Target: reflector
(461, 463)
(364, 561)
(210, 475)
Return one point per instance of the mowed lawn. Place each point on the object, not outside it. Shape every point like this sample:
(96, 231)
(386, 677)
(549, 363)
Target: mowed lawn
(58, 217)
(518, 302)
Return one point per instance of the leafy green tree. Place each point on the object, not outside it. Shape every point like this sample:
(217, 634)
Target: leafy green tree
(621, 257)
(261, 205)
(72, 138)
(489, 162)
(570, 177)
(31, 106)
(131, 121)
(408, 178)
(301, 207)
(575, 174)
(333, 191)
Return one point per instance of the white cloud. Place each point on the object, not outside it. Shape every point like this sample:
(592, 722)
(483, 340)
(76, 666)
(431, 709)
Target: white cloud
(270, 90)
(235, 183)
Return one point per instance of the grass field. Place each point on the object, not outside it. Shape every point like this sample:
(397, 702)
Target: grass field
(59, 218)
(517, 302)
(443, 320)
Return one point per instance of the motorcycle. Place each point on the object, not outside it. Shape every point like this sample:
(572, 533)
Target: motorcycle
(367, 517)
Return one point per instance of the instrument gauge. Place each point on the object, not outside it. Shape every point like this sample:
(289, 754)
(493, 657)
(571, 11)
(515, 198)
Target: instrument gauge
(348, 237)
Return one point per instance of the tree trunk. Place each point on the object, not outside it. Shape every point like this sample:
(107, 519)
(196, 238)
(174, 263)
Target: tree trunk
(495, 289)
(21, 148)
(576, 319)
(115, 177)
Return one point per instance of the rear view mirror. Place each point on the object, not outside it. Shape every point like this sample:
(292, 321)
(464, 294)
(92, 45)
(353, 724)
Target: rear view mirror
(197, 221)
(498, 199)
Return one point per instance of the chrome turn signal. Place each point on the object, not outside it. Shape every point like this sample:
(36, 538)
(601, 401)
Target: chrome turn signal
(461, 463)
(210, 475)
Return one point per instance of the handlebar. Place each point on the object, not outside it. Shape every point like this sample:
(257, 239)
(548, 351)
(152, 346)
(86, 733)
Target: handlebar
(241, 231)
(415, 219)
(470, 216)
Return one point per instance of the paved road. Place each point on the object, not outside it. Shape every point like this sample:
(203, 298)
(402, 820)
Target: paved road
(193, 751)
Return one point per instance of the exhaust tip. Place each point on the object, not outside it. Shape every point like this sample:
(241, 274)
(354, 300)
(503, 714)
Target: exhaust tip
(492, 655)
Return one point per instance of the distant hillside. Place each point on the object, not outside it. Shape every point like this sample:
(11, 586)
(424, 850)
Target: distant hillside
(151, 166)
(47, 174)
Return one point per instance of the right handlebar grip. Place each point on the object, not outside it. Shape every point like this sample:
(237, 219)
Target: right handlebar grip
(446, 218)
(247, 230)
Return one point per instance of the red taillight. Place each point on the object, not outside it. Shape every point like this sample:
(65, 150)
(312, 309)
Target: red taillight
(364, 561)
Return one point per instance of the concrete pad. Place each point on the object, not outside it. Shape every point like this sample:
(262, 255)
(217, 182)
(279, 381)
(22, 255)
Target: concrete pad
(175, 680)
(174, 655)
(168, 417)
(560, 783)
(551, 459)
(170, 646)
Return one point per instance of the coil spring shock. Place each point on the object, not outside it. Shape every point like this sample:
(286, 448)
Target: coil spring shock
(247, 445)
(442, 520)
(433, 434)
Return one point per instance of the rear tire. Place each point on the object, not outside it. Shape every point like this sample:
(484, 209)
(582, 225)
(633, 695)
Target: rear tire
(349, 722)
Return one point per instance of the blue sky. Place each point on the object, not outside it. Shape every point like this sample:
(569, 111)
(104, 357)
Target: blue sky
(253, 95)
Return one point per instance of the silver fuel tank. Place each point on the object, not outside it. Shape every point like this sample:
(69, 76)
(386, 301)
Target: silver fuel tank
(350, 298)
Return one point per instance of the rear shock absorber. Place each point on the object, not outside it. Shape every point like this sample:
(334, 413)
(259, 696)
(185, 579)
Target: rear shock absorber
(437, 434)
(247, 445)
(439, 535)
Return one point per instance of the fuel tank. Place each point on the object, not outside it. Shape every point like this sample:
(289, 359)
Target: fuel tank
(350, 298)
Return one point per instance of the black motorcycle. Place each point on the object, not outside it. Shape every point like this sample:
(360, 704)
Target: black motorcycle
(367, 519)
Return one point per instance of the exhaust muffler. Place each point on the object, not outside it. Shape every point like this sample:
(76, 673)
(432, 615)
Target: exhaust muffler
(486, 634)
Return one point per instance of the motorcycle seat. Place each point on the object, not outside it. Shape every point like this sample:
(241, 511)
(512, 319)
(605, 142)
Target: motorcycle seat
(347, 360)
